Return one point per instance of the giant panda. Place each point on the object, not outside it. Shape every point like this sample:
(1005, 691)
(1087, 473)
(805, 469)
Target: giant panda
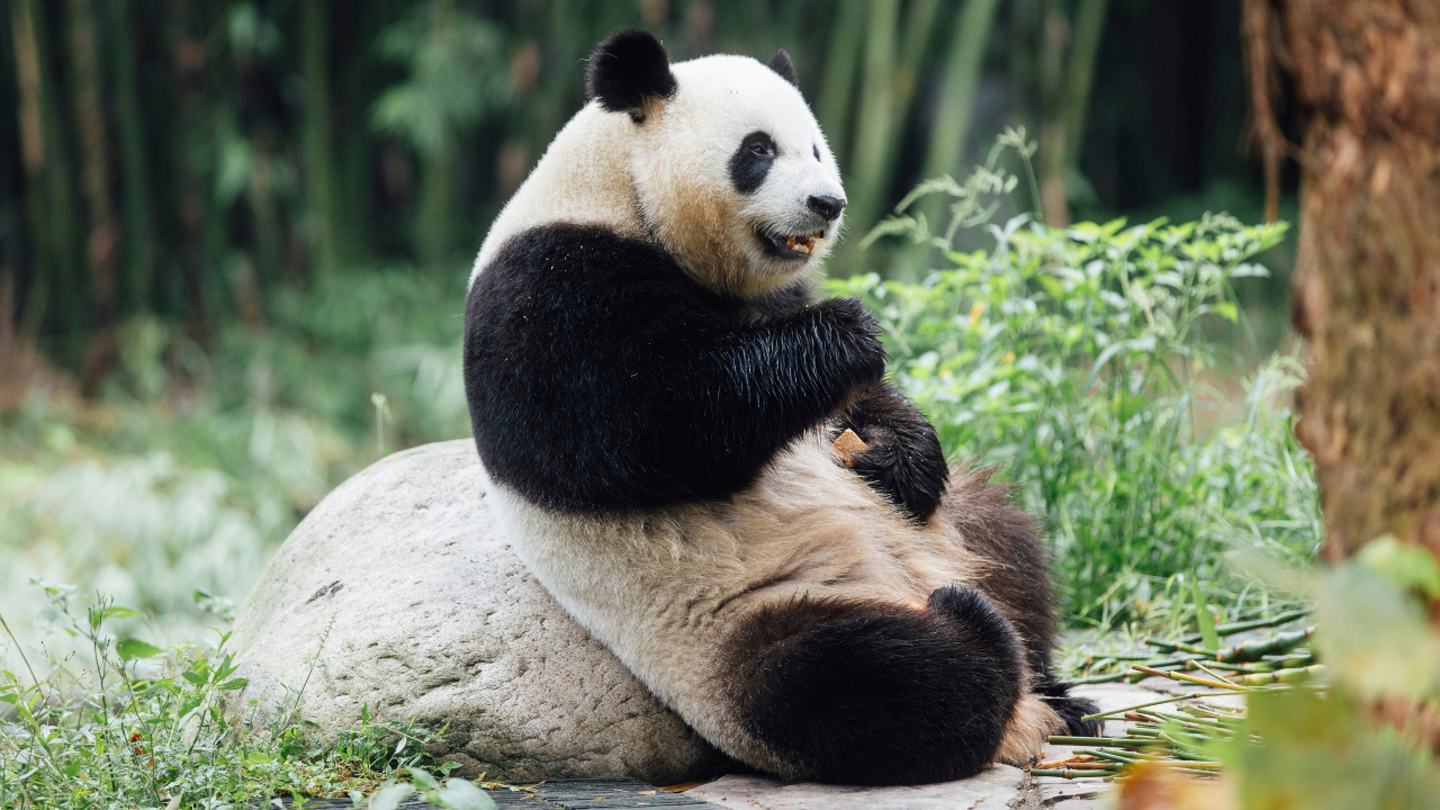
(654, 391)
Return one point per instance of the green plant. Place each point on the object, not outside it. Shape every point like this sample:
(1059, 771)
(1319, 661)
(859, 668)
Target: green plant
(1078, 361)
(194, 463)
(127, 724)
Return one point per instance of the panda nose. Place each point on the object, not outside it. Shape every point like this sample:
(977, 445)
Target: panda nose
(827, 207)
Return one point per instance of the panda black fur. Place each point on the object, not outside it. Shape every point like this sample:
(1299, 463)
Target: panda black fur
(654, 392)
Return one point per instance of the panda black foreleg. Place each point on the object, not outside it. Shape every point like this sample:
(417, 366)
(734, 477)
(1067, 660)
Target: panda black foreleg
(854, 692)
(904, 461)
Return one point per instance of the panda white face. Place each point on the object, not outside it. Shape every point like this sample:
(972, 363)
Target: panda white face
(734, 177)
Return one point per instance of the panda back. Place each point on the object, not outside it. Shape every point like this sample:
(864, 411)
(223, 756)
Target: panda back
(583, 178)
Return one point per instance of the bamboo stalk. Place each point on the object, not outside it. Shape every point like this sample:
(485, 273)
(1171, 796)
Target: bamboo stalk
(1054, 38)
(1068, 773)
(1296, 675)
(1252, 650)
(50, 210)
(1089, 30)
(1254, 624)
(136, 201)
(1114, 756)
(1255, 649)
(1171, 699)
(1093, 679)
(842, 61)
(1103, 742)
(1178, 676)
(315, 134)
(962, 76)
(1201, 666)
(873, 125)
(102, 352)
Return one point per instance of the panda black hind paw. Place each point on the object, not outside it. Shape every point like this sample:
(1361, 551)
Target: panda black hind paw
(1072, 710)
(850, 692)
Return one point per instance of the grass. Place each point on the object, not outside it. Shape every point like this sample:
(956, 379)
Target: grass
(128, 724)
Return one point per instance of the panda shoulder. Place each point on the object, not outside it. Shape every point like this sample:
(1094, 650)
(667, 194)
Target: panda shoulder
(590, 272)
(590, 255)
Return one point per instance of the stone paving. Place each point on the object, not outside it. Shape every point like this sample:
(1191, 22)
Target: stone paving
(999, 788)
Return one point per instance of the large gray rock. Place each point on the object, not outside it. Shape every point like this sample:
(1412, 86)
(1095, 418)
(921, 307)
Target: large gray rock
(399, 592)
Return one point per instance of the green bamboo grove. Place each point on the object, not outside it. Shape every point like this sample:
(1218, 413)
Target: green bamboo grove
(183, 159)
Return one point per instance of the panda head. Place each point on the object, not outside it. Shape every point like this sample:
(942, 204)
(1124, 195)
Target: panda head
(731, 172)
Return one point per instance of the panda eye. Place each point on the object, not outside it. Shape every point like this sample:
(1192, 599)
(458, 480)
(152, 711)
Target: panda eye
(752, 161)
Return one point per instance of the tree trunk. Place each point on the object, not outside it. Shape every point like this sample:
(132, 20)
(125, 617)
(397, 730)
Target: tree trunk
(1367, 279)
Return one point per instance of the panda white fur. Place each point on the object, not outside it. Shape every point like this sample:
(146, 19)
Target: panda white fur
(654, 394)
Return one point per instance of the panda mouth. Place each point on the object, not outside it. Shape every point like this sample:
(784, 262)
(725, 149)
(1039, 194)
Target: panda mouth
(789, 246)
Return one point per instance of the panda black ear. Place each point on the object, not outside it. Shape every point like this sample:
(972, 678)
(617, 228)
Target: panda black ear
(628, 68)
(780, 63)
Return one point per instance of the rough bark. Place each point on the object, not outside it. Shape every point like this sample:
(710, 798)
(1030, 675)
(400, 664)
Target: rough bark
(1367, 279)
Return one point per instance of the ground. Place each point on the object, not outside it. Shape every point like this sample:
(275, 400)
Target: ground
(1000, 788)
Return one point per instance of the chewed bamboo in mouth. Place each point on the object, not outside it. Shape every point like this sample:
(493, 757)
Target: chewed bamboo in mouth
(803, 244)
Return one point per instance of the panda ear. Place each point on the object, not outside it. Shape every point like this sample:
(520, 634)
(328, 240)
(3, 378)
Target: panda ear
(626, 70)
(780, 63)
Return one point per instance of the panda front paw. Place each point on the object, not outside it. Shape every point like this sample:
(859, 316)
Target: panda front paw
(913, 479)
(903, 459)
(856, 335)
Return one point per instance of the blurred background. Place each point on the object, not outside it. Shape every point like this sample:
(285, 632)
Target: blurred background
(234, 236)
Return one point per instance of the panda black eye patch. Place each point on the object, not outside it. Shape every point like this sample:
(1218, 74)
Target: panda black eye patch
(751, 162)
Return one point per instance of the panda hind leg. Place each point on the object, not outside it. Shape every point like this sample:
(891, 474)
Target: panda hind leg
(1072, 710)
(1017, 580)
(851, 692)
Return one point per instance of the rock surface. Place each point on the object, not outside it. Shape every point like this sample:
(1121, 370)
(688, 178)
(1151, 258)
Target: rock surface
(399, 593)
(998, 788)
(993, 789)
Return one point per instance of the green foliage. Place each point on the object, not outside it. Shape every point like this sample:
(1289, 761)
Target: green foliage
(1363, 740)
(127, 724)
(195, 464)
(1078, 361)
(456, 794)
(456, 63)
